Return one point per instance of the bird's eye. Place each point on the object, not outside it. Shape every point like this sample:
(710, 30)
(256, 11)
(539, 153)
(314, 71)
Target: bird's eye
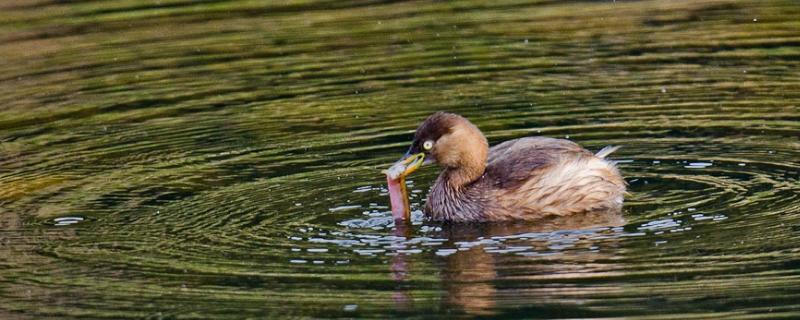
(427, 145)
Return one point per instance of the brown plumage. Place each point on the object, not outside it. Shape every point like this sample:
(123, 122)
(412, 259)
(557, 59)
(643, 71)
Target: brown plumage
(530, 178)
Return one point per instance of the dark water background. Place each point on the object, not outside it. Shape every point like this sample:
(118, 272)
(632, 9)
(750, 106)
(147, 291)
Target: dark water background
(221, 159)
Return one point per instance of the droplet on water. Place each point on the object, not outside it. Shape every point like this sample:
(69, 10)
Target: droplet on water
(65, 221)
(698, 165)
(350, 307)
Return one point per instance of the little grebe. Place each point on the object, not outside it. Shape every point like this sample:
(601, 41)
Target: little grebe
(530, 178)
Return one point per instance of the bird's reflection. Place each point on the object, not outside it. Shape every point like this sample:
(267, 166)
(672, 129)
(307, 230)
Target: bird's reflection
(469, 276)
(400, 273)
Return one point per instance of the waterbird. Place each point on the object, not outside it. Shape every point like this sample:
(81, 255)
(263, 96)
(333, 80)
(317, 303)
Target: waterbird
(525, 179)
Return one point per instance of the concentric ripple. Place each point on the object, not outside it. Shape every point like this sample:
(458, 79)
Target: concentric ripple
(221, 159)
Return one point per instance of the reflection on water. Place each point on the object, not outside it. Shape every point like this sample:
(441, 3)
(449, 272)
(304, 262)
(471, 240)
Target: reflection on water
(479, 262)
(221, 159)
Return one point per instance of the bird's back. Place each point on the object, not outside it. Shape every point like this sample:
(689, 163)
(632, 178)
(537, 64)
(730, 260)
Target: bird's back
(536, 177)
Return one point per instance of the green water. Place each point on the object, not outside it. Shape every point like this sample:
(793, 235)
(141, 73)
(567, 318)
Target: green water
(221, 159)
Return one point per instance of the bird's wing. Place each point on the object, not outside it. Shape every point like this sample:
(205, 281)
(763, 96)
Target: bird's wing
(513, 162)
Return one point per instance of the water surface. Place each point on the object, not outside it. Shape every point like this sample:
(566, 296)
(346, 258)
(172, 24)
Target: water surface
(221, 159)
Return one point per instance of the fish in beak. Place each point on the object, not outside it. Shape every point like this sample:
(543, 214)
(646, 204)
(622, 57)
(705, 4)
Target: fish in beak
(405, 166)
(396, 182)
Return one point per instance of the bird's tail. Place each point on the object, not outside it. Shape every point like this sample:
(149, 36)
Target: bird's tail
(606, 151)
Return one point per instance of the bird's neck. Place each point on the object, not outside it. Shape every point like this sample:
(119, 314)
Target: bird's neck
(460, 177)
(453, 197)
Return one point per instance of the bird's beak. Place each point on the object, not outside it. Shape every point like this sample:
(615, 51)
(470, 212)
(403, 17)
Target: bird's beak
(406, 165)
(412, 162)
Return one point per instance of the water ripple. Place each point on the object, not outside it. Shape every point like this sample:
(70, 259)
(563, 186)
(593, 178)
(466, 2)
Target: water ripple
(222, 159)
